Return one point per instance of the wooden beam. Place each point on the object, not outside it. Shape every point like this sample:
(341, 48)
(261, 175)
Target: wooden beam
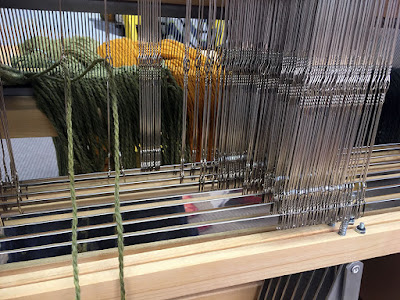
(25, 119)
(200, 267)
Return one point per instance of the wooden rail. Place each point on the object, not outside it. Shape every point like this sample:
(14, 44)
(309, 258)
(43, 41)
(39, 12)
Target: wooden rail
(25, 119)
(169, 270)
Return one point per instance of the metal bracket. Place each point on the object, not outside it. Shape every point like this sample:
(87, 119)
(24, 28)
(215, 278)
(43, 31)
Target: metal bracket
(347, 282)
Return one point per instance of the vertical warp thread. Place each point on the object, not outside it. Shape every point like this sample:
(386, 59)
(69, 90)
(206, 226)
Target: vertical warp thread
(117, 211)
(68, 100)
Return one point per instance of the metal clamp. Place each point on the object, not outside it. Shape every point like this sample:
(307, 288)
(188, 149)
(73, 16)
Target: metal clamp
(347, 283)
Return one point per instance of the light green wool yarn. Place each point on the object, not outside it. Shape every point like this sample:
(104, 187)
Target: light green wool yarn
(68, 100)
(117, 211)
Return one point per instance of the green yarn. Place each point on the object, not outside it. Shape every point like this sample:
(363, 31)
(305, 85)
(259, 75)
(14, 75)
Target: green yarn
(90, 118)
(88, 82)
(41, 52)
(68, 100)
(78, 83)
(117, 211)
(30, 61)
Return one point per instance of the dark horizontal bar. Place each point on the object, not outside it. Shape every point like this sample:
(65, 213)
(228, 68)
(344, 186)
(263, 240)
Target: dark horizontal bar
(381, 191)
(392, 181)
(97, 6)
(12, 91)
(383, 173)
(382, 204)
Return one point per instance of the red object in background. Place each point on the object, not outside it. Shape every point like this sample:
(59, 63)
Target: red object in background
(190, 207)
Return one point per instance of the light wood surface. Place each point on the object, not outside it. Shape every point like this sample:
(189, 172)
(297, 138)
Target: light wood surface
(25, 119)
(200, 267)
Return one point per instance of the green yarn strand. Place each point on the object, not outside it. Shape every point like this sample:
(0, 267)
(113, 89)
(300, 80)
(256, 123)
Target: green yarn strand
(117, 210)
(68, 99)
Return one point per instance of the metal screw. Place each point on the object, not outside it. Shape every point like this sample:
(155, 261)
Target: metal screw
(343, 227)
(355, 269)
(351, 221)
(331, 224)
(361, 228)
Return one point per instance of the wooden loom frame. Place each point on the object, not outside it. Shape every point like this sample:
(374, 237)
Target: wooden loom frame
(191, 266)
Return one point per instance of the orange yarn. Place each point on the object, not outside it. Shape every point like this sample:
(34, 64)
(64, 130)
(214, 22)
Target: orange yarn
(123, 51)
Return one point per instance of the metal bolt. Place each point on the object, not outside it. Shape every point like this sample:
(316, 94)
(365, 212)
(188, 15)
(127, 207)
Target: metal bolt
(343, 227)
(355, 269)
(331, 224)
(351, 221)
(361, 228)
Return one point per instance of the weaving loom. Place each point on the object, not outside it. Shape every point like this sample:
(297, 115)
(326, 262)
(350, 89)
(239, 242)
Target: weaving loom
(202, 146)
